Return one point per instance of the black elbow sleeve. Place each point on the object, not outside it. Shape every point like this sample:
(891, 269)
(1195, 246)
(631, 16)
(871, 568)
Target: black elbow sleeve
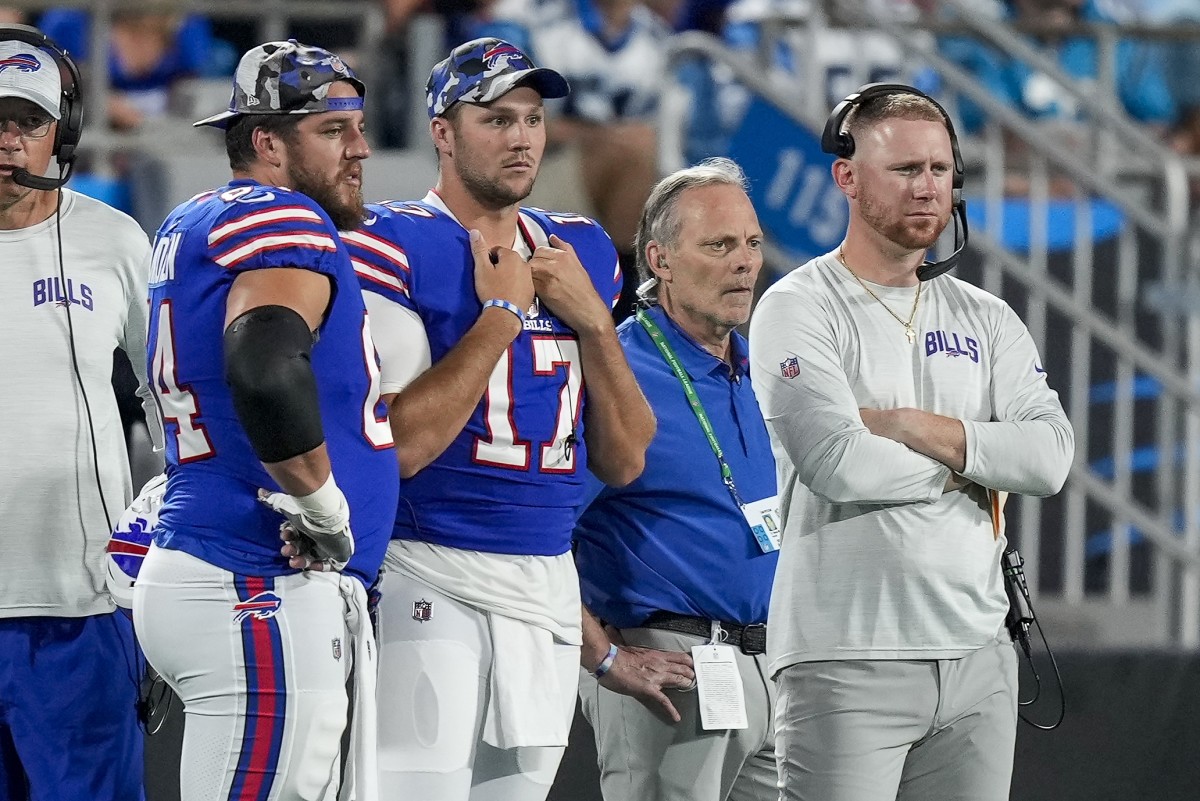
(268, 368)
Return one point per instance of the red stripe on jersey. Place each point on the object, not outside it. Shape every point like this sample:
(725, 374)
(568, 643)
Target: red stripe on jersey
(390, 251)
(276, 241)
(262, 219)
(379, 275)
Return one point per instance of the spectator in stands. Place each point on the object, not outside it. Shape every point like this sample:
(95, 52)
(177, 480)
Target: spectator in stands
(1140, 81)
(611, 52)
(151, 46)
(816, 60)
(1182, 62)
(395, 100)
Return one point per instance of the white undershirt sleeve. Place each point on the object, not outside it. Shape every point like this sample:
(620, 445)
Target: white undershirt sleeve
(400, 340)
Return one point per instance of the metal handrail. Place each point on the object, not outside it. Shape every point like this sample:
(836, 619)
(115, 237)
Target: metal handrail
(1174, 171)
(1097, 325)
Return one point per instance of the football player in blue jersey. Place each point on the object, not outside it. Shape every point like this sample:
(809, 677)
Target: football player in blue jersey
(504, 380)
(262, 361)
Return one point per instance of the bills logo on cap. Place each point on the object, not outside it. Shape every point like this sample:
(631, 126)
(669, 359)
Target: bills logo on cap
(260, 607)
(790, 368)
(503, 54)
(22, 62)
(422, 611)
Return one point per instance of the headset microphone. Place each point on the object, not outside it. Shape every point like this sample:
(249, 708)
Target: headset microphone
(932, 269)
(25, 178)
(838, 141)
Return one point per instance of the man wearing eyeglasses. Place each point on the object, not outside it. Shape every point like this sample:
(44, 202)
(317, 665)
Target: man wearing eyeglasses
(72, 289)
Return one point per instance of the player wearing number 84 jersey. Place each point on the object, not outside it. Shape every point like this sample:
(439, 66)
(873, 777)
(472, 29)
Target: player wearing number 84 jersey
(499, 398)
(211, 508)
(262, 360)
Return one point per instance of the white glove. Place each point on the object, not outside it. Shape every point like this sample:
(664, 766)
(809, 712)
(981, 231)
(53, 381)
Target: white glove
(321, 520)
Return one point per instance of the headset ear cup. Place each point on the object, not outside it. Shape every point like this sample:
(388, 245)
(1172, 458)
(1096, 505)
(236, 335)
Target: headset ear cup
(70, 128)
(845, 145)
(70, 123)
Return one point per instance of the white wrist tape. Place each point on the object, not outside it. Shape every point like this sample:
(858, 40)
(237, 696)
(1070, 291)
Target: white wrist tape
(325, 505)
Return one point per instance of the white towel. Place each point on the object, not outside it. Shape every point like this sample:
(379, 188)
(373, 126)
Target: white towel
(361, 781)
(525, 705)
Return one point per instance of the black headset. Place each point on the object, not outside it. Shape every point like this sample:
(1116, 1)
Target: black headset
(70, 107)
(839, 142)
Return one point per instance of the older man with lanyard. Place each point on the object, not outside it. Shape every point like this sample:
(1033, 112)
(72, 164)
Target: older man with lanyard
(679, 563)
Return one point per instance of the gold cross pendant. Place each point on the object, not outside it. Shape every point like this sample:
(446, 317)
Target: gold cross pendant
(910, 334)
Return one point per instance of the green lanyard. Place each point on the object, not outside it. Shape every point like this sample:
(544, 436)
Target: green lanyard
(689, 391)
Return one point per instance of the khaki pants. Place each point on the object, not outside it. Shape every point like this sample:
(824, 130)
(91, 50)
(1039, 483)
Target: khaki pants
(645, 758)
(878, 730)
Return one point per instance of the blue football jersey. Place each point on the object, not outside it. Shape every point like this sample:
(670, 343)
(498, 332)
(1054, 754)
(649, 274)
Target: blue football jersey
(512, 478)
(211, 509)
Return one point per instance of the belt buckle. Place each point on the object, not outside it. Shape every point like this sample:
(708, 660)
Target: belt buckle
(754, 639)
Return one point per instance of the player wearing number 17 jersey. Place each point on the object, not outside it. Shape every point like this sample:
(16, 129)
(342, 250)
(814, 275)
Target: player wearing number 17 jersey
(263, 363)
(504, 381)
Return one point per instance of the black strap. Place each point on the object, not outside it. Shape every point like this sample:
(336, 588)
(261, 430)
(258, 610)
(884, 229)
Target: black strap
(751, 639)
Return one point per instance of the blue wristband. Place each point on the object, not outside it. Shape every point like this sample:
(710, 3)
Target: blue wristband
(606, 663)
(504, 304)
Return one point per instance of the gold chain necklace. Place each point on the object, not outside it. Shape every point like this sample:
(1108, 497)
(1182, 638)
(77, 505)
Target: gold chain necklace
(909, 332)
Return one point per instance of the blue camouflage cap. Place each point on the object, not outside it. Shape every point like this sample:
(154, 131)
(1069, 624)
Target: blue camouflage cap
(482, 70)
(287, 78)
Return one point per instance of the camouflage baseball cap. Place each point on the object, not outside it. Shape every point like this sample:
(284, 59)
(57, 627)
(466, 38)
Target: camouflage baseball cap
(482, 70)
(287, 78)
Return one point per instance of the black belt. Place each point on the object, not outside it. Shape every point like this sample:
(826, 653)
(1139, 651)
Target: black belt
(751, 639)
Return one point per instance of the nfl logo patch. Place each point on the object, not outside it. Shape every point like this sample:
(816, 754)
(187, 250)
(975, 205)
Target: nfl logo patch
(337, 648)
(422, 610)
(790, 368)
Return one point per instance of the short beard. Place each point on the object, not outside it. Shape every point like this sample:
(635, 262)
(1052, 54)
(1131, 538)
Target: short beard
(488, 193)
(897, 231)
(346, 216)
(492, 194)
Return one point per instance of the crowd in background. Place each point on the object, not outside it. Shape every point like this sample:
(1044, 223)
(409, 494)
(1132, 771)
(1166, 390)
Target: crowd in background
(612, 52)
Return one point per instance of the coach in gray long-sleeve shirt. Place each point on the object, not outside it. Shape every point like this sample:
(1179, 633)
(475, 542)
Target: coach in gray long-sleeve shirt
(899, 411)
